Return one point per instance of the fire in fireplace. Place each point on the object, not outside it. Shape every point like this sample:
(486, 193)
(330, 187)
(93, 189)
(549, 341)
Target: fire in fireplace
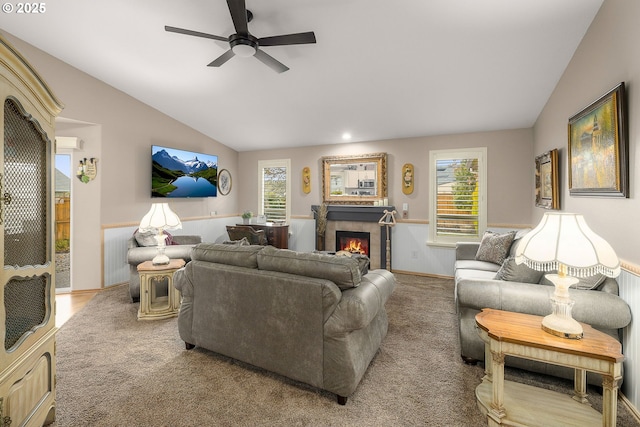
(356, 242)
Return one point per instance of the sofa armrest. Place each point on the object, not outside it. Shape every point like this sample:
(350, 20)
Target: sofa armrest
(598, 309)
(360, 305)
(466, 250)
(132, 242)
(182, 282)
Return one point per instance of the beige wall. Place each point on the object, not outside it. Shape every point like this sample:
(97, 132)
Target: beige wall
(510, 169)
(608, 55)
(119, 131)
(128, 129)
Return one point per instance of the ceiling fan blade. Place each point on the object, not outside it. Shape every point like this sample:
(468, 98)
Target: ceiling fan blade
(271, 62)
(194, 33)
(238, 11)
(222, 59)
(287, 39)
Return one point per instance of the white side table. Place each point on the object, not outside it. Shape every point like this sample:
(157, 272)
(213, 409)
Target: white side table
(152, 305)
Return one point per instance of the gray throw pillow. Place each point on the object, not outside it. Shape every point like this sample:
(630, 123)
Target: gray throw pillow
(147, 238)
(494, 247)
(513, 272)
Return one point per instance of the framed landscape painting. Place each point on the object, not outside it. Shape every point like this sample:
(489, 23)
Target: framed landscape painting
(598, 150)
(547, 192)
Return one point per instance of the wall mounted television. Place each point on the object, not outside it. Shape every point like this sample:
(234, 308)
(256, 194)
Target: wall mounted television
(179, 173)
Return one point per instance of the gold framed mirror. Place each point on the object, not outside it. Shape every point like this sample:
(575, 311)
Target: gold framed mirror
(354, 180)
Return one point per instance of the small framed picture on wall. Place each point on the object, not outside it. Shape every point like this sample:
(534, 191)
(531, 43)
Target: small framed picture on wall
(547, 192)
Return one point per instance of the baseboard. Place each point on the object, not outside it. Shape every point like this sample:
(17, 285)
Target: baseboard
(415, 273)
(634, 411)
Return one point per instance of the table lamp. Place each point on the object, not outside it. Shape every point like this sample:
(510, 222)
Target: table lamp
(159, 218)
(564, 242)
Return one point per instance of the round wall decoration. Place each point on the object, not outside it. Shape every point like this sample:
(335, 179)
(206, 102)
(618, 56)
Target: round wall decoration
(224, 182)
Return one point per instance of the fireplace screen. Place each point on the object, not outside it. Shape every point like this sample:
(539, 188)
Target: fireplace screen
(356, 242)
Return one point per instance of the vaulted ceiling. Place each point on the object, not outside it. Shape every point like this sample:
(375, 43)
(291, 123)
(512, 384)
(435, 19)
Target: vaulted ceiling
(380, 69)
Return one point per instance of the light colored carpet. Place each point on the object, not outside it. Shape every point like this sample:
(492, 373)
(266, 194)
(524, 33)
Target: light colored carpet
(113, 370)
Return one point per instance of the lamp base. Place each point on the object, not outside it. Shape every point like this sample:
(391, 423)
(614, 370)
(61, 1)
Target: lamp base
(161, 258)
(559, 322)
(562, 327)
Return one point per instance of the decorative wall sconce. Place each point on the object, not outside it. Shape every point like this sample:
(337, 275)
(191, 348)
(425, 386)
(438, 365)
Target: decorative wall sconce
(407, 178)
(306, 180)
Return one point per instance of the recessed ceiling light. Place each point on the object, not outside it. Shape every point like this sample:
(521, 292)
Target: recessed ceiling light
(346, 136)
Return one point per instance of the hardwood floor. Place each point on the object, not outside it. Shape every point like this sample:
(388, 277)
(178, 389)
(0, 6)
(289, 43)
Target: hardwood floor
(69, 304)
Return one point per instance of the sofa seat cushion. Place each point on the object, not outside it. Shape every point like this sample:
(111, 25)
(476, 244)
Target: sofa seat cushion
(343, 271)
(474, 274)
(238, 255)
(468, 264)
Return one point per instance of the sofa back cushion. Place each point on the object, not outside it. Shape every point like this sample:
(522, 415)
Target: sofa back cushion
(238, 255)
(343, 271)
(596, 282)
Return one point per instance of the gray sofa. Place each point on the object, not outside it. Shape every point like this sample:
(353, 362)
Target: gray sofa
(476, 287)
(141, 248)
(307, 316)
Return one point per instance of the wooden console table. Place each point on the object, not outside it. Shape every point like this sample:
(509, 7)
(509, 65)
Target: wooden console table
(277, 234)
(520, 335)
(152, 305)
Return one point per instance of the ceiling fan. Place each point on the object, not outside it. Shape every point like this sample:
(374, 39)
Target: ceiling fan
(243, 44)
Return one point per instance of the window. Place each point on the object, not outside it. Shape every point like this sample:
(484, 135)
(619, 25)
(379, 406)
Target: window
(275, 189)
(458, 208)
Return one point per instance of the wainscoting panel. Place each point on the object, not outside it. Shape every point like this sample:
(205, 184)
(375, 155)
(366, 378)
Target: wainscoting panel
(630, 291)
(116, 269)
(412, 254)
(302, 235)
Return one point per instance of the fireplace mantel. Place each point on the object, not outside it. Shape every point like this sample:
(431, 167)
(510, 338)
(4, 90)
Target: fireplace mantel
(353, 212)
(355, 218)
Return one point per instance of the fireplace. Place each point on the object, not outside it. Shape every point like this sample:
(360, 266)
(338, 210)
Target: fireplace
(356, 242)
(355, 219)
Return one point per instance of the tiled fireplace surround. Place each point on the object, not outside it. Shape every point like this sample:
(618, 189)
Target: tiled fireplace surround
(357, 218)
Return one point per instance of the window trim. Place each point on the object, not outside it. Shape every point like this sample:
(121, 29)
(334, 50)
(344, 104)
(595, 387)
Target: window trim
(435, 155)
(262, 164)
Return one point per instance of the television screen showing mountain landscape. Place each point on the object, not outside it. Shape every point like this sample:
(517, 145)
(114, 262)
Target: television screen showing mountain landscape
(178, 173)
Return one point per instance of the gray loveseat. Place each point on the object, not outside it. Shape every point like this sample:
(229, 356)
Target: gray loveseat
(523, 290)
(142, 247)
(307, 316)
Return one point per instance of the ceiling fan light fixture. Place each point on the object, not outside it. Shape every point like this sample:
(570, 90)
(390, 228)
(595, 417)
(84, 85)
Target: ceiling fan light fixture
(243, 50)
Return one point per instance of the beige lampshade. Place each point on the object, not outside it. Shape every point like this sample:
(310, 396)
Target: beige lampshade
(566, 239)
(160, 217)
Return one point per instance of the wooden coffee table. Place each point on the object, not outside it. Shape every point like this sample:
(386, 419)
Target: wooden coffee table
(513, 404)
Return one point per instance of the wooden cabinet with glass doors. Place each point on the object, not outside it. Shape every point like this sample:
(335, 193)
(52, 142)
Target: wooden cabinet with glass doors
(27, 279)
